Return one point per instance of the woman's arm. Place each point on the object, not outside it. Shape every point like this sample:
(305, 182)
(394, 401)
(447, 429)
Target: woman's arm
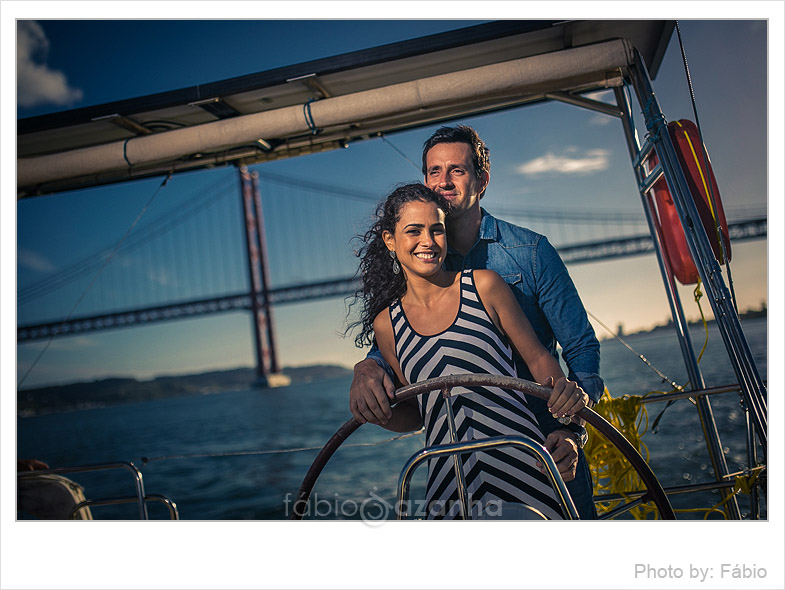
(404, 416)
(566, 397)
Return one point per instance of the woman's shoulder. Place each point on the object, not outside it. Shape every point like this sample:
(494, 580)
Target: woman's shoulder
(490, 287)
(383, 332)
(382, 320)
(487, 278)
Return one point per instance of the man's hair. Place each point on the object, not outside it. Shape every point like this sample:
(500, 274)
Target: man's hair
(481, 155)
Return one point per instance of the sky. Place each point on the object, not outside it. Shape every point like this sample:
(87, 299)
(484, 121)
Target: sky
(550, 156)
(544, 158)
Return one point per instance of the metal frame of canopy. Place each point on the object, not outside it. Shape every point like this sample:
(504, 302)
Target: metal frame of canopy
(563, 60)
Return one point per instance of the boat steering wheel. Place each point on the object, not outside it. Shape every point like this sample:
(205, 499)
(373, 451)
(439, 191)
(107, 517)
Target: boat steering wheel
(654, 490)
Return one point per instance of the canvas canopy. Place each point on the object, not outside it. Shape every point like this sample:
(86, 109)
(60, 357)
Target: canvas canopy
(326, 104)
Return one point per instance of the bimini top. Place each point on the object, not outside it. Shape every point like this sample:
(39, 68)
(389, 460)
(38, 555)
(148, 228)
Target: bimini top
(327, 103)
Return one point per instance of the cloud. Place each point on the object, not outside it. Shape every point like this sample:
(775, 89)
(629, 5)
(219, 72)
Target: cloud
(160, 276)
(33, 261)
(36, 83)
(601, 96)
(590, 161)
(72, 343)
(600, 120)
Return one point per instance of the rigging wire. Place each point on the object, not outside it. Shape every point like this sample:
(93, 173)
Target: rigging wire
(585, 217)
(146, 460)
(574, 216)
(344, 192)
(706, 166)
(387, 141)
(665, 378)
(175, 218)
(95, 278)
(592, 216)
(660, 374)
(159, 226)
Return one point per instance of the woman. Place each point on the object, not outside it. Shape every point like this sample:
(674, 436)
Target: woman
(429, 322)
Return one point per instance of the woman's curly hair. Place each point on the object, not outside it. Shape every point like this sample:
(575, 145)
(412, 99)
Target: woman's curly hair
(380, 286)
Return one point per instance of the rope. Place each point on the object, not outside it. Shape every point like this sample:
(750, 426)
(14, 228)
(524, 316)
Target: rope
(125, 152)
(611, 472)
(656, 124)
(707, 185)
(146, 460)
(743, 484)
(95, 278)
(697, 294)
(309, 118)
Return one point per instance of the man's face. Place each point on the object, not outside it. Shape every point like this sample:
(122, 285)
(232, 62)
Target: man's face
(450, 172)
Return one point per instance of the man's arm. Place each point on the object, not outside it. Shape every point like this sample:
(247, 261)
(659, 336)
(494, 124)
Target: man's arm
(563, 309)
(376, 355)
(372, 388)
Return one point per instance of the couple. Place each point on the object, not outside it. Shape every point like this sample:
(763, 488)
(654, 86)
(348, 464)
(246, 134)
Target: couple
(431, 310)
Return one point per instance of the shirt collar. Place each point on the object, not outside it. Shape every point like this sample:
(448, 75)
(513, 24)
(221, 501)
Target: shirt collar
(489, 229)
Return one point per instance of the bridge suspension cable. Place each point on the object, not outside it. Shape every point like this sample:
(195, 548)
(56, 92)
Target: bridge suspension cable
(176, 217)
(95, 278)
(573, 215)
(162, 224)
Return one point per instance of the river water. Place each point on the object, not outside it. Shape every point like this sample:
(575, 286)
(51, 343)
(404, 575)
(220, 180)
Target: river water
(229, 456)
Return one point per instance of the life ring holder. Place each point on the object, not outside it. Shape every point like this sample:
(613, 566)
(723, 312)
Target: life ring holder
(705, 193)
(654, 490)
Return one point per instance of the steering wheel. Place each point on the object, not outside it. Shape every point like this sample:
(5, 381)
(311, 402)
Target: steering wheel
(654, 490)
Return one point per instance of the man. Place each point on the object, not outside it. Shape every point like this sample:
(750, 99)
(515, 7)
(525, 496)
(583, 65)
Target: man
(456, 164)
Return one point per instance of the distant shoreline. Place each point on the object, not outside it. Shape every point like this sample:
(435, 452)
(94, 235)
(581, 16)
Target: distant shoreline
(113, 391)
(747, 315)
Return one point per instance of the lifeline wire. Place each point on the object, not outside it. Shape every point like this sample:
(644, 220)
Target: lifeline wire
(639, 355)
(95, 278)
(146, 460)
(706, 165)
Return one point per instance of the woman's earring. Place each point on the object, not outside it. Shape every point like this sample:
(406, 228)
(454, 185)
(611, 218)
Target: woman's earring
(396, 266)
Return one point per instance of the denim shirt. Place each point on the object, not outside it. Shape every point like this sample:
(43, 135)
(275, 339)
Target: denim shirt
(542, 286)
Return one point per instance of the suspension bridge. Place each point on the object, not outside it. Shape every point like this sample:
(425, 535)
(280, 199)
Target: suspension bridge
(249, 245)
(286, 239)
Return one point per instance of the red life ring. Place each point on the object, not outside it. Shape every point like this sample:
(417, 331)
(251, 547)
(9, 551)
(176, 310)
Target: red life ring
(686, 141)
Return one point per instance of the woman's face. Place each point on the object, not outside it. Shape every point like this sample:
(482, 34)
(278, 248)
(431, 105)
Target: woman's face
(420, 239)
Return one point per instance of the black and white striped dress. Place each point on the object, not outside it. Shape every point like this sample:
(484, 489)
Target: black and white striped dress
(473, 344)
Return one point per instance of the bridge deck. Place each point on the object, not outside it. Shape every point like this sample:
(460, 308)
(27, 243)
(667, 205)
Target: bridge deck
(342, 287)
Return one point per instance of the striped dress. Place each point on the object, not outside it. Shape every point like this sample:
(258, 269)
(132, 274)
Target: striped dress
(473, 344)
